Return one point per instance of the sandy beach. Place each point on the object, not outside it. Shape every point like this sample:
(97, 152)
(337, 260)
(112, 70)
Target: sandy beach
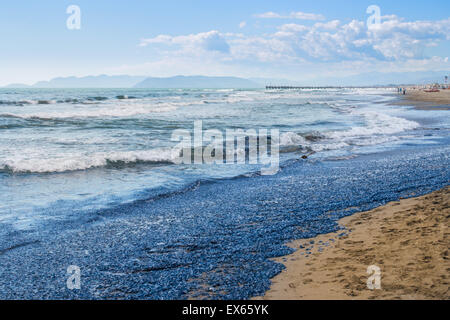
(426, 100)
(408, 240)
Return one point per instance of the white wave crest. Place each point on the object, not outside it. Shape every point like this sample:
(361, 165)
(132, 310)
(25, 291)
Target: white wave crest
(120, 110)
(292, 139)
(377, 124)
(87, 161)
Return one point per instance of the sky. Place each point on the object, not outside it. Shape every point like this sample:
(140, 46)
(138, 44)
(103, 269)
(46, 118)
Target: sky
(296, 40)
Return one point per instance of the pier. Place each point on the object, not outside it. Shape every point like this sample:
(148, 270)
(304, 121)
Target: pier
(298, 88)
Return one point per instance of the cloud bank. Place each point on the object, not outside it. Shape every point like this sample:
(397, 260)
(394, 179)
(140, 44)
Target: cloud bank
(293, 15)
(318, 47)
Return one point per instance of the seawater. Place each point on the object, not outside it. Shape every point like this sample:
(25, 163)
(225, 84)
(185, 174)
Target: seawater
(72, 150)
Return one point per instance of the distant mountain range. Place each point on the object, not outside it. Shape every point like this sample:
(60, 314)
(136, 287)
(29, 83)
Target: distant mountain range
(178, 82)
(102, 81)
(183, 82)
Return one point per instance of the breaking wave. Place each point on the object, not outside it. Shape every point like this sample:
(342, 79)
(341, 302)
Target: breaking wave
(379, 128)
(89, 161)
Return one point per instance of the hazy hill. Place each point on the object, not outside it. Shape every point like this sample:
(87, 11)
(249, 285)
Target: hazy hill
(102, 81)
(182, 82)
(17, 85)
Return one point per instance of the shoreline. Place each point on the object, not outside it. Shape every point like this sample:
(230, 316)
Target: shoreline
(425, 100)
(212, 239)
(212, 250)
(407, 239)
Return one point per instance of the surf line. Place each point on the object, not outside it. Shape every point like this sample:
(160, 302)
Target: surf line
(235, 146)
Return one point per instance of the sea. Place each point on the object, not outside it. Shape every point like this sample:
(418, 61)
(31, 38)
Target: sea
(68, 154)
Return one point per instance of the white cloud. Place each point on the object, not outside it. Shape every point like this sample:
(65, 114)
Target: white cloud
(331, 25)
(261, 49)
(242, 24)
(306, 16)
(293, 15)
(292, 27)
(396, 39)
(210, 41)
(269, 15)
(393, 39)
(324, 47)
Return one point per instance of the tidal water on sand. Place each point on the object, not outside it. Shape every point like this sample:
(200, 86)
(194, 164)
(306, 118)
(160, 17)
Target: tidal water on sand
(88, 178)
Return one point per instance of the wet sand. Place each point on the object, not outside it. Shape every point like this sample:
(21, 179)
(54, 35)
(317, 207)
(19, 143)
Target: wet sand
(426, 100)
(408, 240)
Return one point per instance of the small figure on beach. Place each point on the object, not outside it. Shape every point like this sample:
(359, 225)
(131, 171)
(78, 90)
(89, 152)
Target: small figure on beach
(404, 91)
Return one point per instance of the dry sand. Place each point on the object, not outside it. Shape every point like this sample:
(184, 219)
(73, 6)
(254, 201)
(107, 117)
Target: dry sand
(408, 240)
(426, 100)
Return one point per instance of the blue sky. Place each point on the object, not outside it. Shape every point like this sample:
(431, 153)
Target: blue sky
(276, 39)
